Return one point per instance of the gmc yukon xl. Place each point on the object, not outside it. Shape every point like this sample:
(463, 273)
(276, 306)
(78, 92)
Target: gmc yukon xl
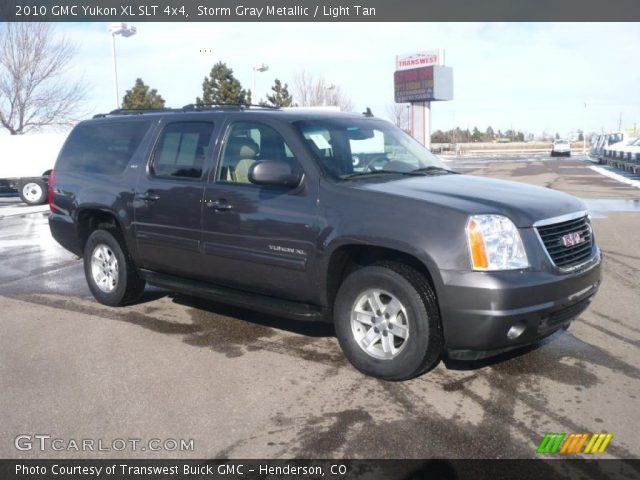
(322, 216)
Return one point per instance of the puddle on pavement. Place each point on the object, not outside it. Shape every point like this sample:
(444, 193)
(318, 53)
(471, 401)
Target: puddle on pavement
(599, 207)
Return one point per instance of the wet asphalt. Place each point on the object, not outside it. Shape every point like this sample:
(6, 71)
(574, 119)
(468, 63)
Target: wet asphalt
(246, 385)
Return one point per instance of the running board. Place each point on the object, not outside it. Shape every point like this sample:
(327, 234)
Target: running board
(253, 301)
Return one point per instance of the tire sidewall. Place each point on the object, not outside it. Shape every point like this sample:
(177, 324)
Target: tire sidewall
(43, 192)
(411, 357)
(116, 296)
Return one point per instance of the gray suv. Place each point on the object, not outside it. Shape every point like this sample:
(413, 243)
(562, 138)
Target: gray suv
(322, 216)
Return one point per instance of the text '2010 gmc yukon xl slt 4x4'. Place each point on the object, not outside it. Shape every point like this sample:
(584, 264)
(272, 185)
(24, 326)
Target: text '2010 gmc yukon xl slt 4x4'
(322, 216)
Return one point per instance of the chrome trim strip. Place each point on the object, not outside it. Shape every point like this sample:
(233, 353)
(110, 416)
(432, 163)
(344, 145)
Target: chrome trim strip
(560, 219)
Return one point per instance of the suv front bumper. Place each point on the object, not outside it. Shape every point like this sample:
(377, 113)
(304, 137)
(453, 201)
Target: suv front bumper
(486, 313)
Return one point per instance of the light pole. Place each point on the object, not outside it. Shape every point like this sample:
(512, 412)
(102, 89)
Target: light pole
(327, 91)
(584, 133)
(259, 67)
(125, 31)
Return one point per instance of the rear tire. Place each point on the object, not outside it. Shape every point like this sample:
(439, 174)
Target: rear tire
(33, 191)
(110, 273)
(387, 321)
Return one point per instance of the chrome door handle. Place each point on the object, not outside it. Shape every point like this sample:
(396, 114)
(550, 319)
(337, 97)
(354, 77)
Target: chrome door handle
(148, 196)
(219, 205)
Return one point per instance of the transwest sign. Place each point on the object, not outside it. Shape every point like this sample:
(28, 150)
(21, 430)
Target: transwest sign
(419, 59)
(423, 84)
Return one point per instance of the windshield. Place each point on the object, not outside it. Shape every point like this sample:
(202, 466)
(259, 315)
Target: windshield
(348, 148)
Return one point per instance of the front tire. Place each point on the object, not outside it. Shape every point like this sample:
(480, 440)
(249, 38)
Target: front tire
(387, 321)
(33, 191)
(110, 273)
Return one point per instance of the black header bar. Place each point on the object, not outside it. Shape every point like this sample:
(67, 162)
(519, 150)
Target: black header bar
(339, 469)
(319, 11)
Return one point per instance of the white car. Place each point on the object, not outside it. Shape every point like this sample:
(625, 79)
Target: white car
(561, 147)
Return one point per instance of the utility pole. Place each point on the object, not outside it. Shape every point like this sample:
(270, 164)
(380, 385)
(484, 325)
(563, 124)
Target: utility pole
(584, 132)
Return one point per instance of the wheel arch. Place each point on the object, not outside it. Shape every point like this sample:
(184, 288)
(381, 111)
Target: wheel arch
(90, 219)
(348, 257)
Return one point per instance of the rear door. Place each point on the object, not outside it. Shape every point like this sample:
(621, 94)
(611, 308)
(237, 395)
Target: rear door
(168, 197)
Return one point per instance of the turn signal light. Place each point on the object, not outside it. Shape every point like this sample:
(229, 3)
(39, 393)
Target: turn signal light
(476, 243)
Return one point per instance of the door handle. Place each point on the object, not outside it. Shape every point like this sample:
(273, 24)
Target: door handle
(147, 196)
(219, 205)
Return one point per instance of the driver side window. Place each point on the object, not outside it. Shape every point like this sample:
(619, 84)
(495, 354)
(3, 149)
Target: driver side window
(248, 143)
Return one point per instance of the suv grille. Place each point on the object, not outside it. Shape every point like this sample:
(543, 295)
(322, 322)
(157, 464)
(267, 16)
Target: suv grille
(574, 254)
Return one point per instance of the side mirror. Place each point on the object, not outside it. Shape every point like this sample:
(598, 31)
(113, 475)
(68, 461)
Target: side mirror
(274, 173)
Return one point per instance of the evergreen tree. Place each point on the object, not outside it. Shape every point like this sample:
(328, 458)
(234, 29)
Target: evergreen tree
(490, 134)
(221, 87)
(280, 97)
(476, 136)
(140, 96)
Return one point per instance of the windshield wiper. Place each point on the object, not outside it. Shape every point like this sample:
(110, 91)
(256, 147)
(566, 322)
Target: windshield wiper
(432, 168)
(412, 173)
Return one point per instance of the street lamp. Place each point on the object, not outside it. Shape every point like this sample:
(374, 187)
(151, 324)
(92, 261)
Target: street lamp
(125, 31)
(584, 132)
(259, 67)
(328, 89)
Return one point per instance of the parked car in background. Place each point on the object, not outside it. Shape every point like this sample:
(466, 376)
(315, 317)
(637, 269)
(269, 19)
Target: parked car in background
(603, 142)
(561, 147)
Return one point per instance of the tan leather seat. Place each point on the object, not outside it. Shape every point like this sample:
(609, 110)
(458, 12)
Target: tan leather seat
(240, 154)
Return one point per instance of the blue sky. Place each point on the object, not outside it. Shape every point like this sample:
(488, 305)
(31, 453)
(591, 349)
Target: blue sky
(534, 77)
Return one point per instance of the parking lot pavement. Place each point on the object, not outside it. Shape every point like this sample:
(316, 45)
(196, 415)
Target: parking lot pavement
(11, 206)
(242, 384)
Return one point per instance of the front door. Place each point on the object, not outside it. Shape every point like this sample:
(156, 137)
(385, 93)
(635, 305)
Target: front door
(168, 198)
(259, 238)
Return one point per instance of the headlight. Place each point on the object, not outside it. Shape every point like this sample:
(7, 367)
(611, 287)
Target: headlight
(495, 243)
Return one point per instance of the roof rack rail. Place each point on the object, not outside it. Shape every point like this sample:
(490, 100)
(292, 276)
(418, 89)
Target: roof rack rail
(186, 108)
(212, 106)
(133, 111)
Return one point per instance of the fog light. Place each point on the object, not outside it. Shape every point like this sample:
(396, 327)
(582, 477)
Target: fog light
(515, 331)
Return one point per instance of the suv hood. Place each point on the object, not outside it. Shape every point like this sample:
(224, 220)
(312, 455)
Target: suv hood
(524, 204)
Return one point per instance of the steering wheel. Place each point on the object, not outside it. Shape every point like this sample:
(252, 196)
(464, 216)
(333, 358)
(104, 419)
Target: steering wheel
(374, 159)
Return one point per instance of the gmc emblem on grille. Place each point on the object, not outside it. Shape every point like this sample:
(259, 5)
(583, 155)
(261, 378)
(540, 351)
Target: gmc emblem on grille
(571, 239)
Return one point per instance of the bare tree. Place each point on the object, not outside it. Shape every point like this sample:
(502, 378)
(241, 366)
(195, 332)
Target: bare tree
(33, 89)
(398, 113)
(312, 91)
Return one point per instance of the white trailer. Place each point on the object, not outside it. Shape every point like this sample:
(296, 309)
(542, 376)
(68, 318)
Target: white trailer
(26, 162)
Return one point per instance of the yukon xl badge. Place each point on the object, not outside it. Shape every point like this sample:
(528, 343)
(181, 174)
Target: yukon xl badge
(571, 239)
(295, 251)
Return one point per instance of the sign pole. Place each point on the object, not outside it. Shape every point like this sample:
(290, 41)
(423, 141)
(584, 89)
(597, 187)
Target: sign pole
(419, 79)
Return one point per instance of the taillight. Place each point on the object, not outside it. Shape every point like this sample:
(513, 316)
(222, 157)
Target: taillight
(52, 177)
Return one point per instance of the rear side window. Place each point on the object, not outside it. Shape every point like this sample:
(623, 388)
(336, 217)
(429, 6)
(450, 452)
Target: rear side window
(180, 151)
(104, 147)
